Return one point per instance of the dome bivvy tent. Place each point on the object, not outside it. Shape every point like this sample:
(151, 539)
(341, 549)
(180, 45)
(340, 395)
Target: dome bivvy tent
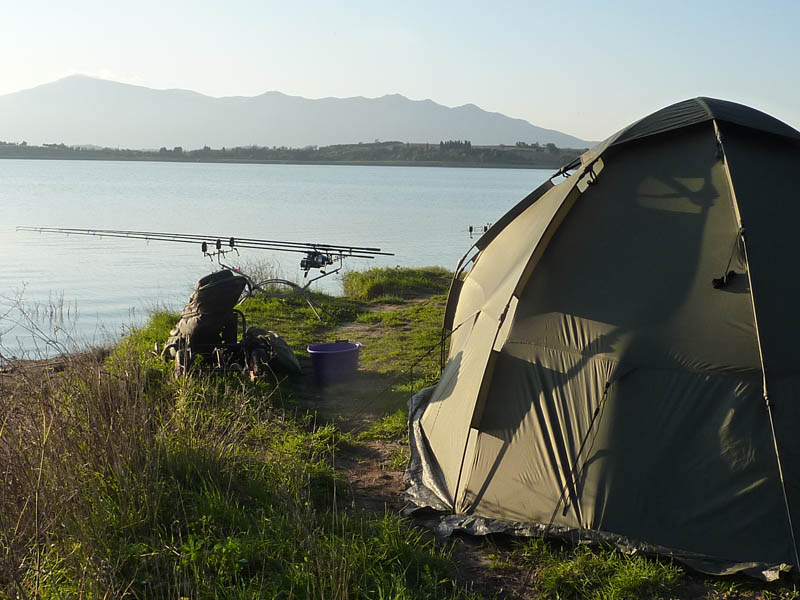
(624, 359)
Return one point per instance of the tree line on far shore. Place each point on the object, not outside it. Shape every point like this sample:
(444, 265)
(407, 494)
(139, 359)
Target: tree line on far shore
(521, 154)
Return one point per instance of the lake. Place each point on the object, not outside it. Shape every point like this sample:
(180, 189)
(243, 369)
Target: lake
(85, 290)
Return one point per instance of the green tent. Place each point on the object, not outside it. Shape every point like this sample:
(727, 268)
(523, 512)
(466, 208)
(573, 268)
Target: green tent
(624, 358)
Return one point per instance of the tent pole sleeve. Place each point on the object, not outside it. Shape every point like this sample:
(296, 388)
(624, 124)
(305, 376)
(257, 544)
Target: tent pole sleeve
(456, 283)
(765, 393)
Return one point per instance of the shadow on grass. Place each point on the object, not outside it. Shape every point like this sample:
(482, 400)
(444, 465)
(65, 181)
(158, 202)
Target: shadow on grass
(351, 404)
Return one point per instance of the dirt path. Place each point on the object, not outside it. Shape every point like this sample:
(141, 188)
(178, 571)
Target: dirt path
(375, 473)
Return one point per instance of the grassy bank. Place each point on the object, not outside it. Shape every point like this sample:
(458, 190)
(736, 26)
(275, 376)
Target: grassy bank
(121, 481)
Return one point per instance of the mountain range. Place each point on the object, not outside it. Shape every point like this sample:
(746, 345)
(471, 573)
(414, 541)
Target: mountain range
(82, 110)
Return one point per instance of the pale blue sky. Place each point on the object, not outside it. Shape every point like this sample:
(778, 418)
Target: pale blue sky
(585, 68)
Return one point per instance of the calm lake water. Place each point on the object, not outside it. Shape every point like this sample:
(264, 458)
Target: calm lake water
(84, 290)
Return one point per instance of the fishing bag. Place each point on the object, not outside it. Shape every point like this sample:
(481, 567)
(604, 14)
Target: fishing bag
(208, 319)
(277, 353)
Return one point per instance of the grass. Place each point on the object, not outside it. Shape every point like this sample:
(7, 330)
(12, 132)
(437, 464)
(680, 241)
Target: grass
(582, 572)
(410, 350)
(203, 492)
(121, 481)
(295, 320)
(396, 284)
(390, 428)
(398, 461)
(740, 587)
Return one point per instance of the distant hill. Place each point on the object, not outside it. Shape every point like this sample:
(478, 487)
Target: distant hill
(81, 110)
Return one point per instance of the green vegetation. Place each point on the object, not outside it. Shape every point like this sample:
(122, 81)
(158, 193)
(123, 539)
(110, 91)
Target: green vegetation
(128, 482)
(594, 574)
(221, 497)
(398, 461)
(122, 481)
(295, 320)
(390, 427)
(740, 587)
(388, 285)
(411, 351)
(567, 572)
(446, 153)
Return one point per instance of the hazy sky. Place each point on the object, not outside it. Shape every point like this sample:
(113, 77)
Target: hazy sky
(585, 68)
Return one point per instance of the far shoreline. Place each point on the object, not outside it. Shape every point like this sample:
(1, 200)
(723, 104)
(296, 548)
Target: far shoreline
(448, 154)
(350, 163)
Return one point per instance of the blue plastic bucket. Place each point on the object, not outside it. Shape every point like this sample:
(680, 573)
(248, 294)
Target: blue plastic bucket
(334, 362)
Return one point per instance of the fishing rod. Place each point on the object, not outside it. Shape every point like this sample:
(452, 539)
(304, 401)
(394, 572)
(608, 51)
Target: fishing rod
(317, 256)
(218, 241)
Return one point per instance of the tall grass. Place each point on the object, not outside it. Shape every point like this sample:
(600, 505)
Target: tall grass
(120, 481)
(45, 329)
(77, 449)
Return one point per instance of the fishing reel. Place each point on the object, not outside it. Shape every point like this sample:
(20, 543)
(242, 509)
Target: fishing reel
(315, 260)
(320, 260)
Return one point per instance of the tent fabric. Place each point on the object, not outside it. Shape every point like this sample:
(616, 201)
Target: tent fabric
(624, 359)
(693, 112)
(482, 303)
(698, 110)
